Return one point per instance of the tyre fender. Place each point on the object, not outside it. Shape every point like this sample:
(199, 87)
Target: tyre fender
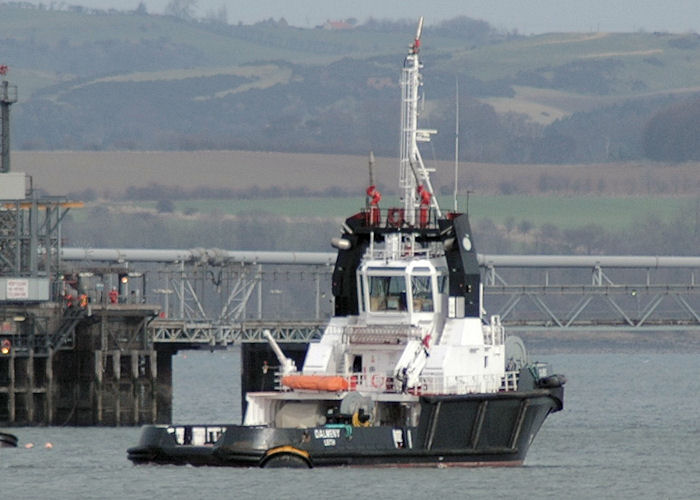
(286, 456)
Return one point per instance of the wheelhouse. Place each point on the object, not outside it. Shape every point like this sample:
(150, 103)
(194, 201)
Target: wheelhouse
(414, 290)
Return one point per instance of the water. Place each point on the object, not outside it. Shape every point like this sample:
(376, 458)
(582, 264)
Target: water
(630, 429)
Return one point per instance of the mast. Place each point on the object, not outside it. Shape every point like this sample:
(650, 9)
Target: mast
(412, 171)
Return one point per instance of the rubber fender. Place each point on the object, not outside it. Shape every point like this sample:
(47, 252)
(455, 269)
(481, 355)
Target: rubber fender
(551, 381)
(286, 457)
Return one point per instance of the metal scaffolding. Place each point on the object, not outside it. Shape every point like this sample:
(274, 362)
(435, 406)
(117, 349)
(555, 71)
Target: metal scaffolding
(30, 236)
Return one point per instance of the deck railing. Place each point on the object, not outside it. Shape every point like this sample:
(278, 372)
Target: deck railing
(494, 333)
(196, 435)
(428, 385)
(395, 217)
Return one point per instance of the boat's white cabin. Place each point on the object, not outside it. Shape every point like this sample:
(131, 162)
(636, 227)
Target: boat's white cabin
(410, 292)
(404, 338)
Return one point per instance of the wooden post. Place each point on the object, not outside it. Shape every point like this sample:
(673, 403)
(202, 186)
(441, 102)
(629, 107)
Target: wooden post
(50, 408)
(11, 390)
(134, 387)
(29, 388)
(117, 362)
(99, 387)
(154, 385)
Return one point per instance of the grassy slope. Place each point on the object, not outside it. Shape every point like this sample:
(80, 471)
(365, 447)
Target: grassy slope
(674, 68)
(633, 49)
(649, 65)
(232, 46)
(644, 64)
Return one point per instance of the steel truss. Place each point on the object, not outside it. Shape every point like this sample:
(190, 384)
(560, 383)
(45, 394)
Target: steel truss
(235, 302)
(30, 236)
(589, 293)
(192, 334)
(215, 298)
(236, 292)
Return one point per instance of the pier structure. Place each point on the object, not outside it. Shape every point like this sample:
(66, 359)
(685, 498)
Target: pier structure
(68, 354)
(74, 347)
(213, 297)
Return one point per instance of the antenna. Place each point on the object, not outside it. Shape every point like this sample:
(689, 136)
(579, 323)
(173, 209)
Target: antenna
(415, 47)
(456, 142)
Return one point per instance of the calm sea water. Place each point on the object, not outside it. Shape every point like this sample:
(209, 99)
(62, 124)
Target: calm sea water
(630, 429)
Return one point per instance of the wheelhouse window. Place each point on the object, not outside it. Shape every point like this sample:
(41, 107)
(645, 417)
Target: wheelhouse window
(442, 279)
(387, 293)
(361, 283)
(422, 294)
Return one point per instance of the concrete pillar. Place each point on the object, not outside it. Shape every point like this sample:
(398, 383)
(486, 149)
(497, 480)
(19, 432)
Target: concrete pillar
(50, 391)
(99, 386)
(116, 361)
(163, 392)
(135, 396)
(153, 376)
(11, 394)
(30, 387)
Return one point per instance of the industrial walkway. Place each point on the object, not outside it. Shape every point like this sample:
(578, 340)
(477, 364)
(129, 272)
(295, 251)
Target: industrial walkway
(218, 297)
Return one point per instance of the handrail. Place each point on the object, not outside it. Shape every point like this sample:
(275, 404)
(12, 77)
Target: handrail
(196, 435)
(379, 383)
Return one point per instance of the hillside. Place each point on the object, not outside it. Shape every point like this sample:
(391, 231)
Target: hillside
(91, 80)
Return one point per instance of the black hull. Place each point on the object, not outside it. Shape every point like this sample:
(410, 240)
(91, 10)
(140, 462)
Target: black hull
(470, 430)
(8, 440)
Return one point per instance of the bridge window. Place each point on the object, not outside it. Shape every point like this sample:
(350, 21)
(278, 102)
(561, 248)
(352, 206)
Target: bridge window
(442, 282)
(361, 282)
(422, 294)
(387, 293)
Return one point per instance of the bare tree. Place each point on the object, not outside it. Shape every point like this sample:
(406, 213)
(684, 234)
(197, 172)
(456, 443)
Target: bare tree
(182, 9)
(219, 16)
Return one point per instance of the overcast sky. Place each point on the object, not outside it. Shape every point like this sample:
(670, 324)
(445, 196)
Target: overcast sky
(527, 16)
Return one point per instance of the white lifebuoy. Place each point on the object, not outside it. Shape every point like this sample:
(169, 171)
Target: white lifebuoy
(377, 381)
(395, 217)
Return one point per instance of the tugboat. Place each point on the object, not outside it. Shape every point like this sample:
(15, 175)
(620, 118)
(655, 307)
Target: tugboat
(409, 371)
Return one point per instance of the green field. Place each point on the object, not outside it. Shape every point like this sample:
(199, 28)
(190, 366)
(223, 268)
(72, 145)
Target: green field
(611, 213)
(645, 58)
(576, 211)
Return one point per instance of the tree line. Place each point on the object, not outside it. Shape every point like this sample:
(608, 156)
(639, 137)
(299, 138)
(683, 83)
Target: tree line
(332, 109)
(105, 228)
